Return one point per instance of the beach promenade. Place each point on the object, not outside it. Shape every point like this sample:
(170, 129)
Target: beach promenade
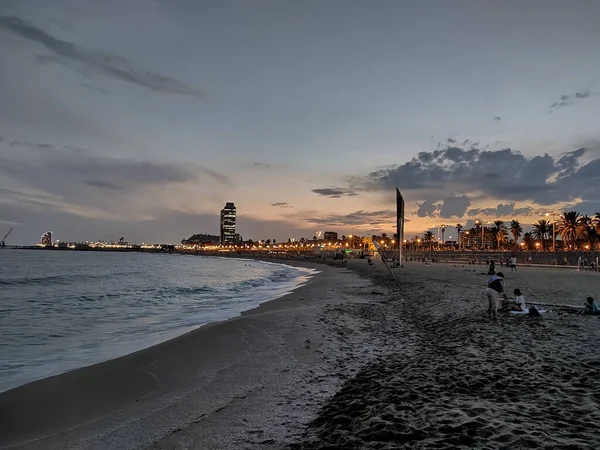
(363, 364)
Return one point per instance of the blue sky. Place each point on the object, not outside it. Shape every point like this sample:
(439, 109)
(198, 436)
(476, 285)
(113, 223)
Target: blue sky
(142, 118)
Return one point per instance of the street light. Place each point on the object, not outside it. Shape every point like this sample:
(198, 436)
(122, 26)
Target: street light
(553, 229)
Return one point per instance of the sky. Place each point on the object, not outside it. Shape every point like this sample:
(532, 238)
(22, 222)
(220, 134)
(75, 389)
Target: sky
(141, 118)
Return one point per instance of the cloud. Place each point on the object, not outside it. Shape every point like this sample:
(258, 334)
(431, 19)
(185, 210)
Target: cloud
(570, 99)
(357, 218)
(428, 209)
(502, 210)
(334, 192)
(113, 66)
(281, 205)
(497, 118)
(261, 165)
(101, 184)
(444, 182)
(454, 206)
(55, 179)
(451, 141)
(99, 171)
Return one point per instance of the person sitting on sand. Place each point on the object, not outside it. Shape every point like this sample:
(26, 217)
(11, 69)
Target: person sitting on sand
(495, 289)
(517, 305)
(591, 307)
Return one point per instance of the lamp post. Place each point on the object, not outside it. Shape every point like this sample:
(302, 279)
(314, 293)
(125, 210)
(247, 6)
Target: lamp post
(553, 214)
(443, 231)
(477, 225)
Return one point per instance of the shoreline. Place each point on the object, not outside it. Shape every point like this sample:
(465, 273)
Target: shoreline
(101, 406)
(275, 291)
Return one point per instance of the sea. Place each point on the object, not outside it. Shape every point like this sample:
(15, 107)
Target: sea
(62, 310)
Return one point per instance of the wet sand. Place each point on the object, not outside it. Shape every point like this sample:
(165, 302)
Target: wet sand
(467, 382)
(364, 365)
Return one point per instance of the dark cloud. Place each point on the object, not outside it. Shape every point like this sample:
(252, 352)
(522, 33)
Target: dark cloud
(74, 162)
(428, 209)
(445, 181)
(454, 206)
(107, 64)
(261, 165)
(502, 210)
(334, 192)
(357, 218)
(281, 205)
(451, 141)
(570, 99)
(503, 174)
(497, 118)
(101, 184)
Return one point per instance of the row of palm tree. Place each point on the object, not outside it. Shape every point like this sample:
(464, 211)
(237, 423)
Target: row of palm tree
(572, 227)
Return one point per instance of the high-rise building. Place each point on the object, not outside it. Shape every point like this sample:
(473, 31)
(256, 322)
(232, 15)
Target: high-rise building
(228, 224)
(330, 236)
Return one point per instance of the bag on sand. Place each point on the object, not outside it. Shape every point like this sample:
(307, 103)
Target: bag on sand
(533, 312)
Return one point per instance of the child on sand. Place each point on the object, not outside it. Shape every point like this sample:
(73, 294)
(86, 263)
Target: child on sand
(591, 307)
(517, 305)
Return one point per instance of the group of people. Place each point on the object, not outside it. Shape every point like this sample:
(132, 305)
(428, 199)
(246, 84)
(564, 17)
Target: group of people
(510, 262)
(496, 292)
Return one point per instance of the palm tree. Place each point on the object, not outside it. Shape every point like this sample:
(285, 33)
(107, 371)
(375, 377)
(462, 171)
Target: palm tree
(459, 229)
(498, 229)
(428, 237)
(569, 227)
(541, 230)
(501, 237)
(587, 230)
(528, 240)
(516, 230)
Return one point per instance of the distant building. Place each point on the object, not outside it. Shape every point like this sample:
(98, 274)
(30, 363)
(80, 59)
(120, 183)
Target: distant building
(47, 239)
(228, 224)
(330, 236)
(202, 239)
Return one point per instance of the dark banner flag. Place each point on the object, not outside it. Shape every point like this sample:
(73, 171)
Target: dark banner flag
(400, 220)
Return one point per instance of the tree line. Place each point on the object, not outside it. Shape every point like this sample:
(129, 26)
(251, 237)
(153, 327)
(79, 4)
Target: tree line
(570, 230)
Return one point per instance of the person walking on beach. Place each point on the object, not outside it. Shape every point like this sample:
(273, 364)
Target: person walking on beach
(495, 289)
(512, 263)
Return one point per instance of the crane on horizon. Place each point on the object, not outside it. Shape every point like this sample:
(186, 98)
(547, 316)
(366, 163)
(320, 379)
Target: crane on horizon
(2, 244)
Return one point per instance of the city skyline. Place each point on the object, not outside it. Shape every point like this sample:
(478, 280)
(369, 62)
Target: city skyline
(143, 119)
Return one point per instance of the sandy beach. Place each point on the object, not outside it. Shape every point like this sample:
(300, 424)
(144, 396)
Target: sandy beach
(466, 382)
(346, 361)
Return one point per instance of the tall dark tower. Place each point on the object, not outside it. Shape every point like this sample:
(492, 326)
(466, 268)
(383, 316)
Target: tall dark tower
(228, 224)
(400, 221)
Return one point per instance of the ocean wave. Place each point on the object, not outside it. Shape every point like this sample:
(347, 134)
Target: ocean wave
(63, 279)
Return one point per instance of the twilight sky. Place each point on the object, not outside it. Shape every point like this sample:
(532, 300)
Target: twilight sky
(141, 118)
